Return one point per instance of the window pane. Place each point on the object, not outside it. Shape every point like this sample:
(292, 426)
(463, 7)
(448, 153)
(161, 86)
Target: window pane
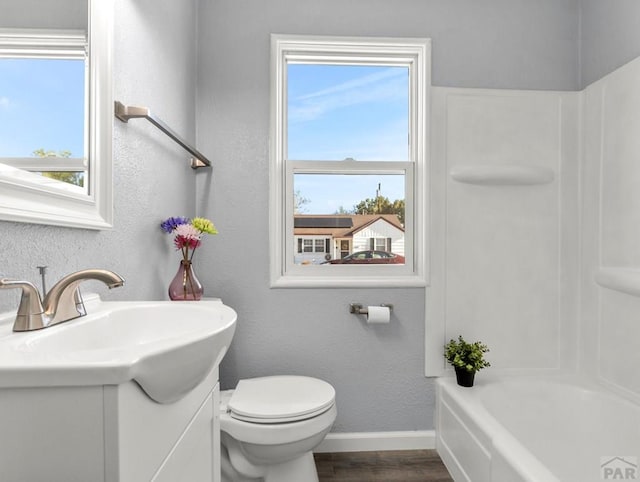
(42, 110)
(75, 178)
(362, 215)
(348, 193)
(338, 112)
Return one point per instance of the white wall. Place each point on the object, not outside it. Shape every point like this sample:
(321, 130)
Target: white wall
(610, 336)
(505, 232)
(547, 275)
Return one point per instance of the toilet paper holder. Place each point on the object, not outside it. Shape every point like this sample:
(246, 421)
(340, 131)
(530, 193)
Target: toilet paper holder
(359, 309)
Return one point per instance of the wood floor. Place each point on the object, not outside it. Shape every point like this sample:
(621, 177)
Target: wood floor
(388, 466)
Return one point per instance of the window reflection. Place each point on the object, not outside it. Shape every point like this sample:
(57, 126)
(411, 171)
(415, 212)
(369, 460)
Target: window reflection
(42, 114)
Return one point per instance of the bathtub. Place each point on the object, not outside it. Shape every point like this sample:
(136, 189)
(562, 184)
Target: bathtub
(536, 429)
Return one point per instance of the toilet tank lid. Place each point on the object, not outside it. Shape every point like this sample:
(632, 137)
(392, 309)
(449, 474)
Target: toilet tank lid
(288, 397)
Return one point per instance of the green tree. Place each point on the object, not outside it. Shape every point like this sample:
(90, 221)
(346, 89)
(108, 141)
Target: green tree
(381, 205)
(76, 178)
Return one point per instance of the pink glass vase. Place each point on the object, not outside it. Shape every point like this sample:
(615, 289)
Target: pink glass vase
(185, 285)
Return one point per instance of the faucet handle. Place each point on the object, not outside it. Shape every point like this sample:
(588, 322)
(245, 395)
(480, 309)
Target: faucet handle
(30, 314)
(29, 293)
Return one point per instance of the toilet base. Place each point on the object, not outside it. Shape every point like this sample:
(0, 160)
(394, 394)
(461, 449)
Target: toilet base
(301, 469)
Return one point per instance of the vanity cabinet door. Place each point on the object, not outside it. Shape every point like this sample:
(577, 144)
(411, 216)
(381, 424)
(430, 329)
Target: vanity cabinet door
(145, 438)
(191, 459)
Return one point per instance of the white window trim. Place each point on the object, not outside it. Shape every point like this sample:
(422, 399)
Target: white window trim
(390, 51)
(43, 43)
(24, 196)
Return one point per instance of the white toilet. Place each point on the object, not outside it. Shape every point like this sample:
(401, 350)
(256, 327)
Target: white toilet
(270, 425)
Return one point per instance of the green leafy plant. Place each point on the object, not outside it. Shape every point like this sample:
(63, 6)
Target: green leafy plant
(468, 356)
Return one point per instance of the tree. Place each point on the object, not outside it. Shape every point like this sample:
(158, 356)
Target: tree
(71, 177)
(299, 202)
(343, 210)
(381, 205)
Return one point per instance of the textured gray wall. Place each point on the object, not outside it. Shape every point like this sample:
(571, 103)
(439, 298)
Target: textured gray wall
(61, 14)
(610, 37)
(377, 370)
(154, 65)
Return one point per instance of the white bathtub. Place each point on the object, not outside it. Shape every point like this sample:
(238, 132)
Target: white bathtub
(536, 429)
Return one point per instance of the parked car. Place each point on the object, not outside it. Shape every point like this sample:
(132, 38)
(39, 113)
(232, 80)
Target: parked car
(369, 257)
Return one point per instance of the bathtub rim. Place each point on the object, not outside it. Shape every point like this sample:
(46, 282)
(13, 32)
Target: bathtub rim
(497, 436)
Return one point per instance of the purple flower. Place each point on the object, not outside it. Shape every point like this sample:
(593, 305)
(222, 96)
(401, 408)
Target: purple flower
(171, 224)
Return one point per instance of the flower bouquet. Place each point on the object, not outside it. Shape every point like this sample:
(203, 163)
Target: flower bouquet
(187, 238)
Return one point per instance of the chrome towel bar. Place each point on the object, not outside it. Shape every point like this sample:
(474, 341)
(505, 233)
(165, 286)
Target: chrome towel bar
(124, 113)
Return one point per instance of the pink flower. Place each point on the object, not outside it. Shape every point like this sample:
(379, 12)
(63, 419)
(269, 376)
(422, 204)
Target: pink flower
(182, 242)
(187, 231)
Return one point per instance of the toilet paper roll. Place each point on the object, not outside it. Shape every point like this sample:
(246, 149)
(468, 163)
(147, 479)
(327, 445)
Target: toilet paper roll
(378, 314)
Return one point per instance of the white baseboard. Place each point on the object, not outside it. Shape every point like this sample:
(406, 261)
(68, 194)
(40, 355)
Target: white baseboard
(370, 441)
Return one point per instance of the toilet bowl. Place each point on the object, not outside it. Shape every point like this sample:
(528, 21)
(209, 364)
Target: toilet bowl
(269, 427)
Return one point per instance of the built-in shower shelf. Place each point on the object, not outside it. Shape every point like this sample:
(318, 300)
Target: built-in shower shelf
(625, 280)
(502, 175)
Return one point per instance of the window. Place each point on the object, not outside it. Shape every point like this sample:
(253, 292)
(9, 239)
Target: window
(43, 120)
(348, 160)
(381, 244)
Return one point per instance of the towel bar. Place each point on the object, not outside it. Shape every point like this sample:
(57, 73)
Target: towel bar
(124, 113)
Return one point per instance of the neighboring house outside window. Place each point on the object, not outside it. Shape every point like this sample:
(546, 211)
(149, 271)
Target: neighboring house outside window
(320, 238)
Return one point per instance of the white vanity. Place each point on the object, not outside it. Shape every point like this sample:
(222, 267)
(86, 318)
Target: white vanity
(127, 393)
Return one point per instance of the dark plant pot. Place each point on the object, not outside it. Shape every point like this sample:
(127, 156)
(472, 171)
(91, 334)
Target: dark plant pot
(464, 378)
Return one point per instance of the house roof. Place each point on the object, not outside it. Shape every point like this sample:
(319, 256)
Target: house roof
(339, 225)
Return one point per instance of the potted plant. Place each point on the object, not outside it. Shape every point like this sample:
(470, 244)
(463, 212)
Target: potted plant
(466, 358)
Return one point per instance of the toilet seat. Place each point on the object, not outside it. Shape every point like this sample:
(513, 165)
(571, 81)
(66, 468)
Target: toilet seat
(279, 399)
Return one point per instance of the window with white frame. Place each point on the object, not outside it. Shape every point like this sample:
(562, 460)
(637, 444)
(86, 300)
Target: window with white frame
(43, 119)
(381, 244)
(350, 156)
(313, 245)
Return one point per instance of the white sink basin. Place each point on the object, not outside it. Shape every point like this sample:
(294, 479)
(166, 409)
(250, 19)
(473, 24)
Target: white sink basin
(166, 347)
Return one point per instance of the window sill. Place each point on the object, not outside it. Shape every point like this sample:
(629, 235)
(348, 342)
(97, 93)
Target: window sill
(348, 282)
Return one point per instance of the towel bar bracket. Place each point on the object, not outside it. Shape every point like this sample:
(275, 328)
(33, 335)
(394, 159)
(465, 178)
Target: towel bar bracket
(124, 113)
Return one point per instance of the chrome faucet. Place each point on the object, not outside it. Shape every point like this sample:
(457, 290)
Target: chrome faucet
(62, 303)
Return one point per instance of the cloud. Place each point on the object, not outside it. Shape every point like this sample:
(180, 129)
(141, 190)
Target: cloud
(383, 85)
(351, 85)
(5, 102)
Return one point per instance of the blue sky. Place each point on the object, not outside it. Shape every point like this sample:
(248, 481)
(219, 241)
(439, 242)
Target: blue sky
(337, 112)
(41, 106)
